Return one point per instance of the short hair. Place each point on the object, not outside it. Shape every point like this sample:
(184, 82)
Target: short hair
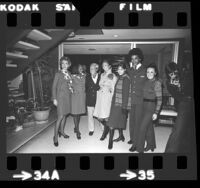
(154, 66)
(95, 65)
(171, 67)
(123, 65)
(136, 51)
(65, 58)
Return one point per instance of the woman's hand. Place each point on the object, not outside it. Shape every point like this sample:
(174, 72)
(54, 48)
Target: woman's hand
(154, 117)
(55, 102)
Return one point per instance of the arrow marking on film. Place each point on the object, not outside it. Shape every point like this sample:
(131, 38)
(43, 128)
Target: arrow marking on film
(128, 175)
(24, 175)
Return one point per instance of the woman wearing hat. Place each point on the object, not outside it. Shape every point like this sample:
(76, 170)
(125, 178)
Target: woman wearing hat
(78, 106)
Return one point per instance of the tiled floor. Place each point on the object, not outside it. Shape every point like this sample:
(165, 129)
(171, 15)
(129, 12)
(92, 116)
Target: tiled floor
(43, 142)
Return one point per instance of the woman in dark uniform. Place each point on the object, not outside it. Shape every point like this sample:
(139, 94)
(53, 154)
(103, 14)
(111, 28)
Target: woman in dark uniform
(121, 102)
(152, 93)
(78, 97)
(61, 93)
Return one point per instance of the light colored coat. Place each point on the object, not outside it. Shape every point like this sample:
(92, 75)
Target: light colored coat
(105, 94)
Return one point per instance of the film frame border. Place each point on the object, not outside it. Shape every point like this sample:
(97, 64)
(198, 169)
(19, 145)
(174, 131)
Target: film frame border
(109, 161)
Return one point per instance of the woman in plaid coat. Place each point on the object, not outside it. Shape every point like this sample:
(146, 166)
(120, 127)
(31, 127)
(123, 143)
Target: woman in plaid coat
(121, 102)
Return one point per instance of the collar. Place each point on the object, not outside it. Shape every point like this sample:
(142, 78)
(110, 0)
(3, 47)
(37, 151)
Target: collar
(95, 76)
(138, 66)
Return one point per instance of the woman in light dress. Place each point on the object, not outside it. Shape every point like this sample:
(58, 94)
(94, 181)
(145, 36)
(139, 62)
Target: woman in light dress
(104, 96)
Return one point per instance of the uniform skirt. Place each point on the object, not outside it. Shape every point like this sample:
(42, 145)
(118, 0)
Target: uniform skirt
(78, 103)
(64, 103)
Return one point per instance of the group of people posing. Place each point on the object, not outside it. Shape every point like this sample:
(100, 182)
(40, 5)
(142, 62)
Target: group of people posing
(136, 90)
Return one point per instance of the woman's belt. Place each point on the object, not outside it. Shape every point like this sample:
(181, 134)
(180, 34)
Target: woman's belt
(149, 100)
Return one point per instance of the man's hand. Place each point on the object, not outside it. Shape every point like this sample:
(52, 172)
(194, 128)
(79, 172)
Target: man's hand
(55, 102)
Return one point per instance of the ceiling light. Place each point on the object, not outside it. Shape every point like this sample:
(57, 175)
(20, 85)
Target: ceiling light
(115, 35)
(92, 49)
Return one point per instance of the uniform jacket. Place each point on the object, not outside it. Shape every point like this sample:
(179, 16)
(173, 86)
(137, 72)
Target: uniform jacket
(60, 86)
(138, 78)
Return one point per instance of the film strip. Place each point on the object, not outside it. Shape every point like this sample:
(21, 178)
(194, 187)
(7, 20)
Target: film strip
(61, 17)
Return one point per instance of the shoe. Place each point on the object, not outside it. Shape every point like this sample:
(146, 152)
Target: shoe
(147, 149)
(119, 139)
(78, 135)
(111, 134)
(91, 133)
(64, 135)
(55, 143)
(121, 136)
(105, 133)
(130, 142)
(132, 149)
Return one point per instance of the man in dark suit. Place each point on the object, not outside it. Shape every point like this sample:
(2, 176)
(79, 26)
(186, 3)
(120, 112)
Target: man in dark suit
(137, 74)
(92, 85)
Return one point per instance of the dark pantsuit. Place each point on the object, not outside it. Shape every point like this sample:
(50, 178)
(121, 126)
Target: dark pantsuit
(135, 117)
(146, 129)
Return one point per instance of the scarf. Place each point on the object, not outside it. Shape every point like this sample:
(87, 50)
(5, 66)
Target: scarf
(118, 93)
(68, 77)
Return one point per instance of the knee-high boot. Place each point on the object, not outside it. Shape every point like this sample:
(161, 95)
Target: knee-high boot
(111, 134)
(105, 131)
(121, 136)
